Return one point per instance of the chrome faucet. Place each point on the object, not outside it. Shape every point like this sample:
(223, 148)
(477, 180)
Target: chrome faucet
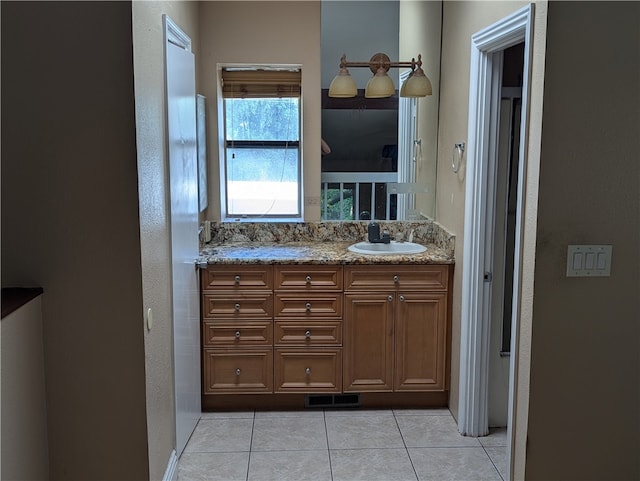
(373, 234)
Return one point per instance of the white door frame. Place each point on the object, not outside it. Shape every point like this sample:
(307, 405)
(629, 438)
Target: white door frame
(484, 97)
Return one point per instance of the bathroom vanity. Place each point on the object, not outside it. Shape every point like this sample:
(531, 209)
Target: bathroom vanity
(286, 324)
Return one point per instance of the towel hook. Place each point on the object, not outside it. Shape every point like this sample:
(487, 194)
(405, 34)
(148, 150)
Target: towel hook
(459, 149)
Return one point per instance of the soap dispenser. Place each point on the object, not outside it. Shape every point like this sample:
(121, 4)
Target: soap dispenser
(373, 232)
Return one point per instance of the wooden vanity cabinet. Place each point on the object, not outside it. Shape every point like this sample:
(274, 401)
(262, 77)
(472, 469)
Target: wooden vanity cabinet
(237, 329)
(395, 328)
(289, 330)
(308, 328)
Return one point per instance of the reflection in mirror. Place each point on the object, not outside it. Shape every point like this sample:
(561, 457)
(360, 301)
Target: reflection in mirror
(374, 163)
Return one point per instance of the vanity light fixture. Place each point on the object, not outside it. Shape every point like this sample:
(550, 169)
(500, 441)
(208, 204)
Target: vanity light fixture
(381, 85)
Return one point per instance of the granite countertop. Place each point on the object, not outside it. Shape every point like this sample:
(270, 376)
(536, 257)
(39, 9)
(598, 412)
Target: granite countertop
(310, 252)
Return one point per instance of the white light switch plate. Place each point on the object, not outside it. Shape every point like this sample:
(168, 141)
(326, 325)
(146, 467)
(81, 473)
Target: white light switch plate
(589, 260)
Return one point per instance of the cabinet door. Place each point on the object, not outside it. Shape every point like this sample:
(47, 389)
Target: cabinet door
(420, 342)
(368, 342)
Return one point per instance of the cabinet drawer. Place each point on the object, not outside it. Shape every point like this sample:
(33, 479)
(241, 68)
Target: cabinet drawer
(419, 277)
(300, 277)
(240, 305)
(238, 371)
(237, 277)
(241, 333)
(299, 370)
(308, 333)
(308, 305)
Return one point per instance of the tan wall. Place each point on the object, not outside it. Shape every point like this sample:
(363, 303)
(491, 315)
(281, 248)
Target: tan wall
(460, 21)
(266, 33)
(584, 418)
(70, 224)
(25, 450)
(420, 33)
(153, 185)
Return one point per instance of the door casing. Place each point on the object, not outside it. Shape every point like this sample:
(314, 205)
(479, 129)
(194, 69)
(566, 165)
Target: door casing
(487, 46)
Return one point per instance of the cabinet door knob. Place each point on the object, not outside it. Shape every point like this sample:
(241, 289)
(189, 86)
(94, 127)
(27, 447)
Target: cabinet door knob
(401, 298)
(238, 372)
(237, 334)
(307, 334)
(308, 279)
(390, 298)
(236, 278)
(308, 306)
(236, 306)
(307, 371)
(396, 279)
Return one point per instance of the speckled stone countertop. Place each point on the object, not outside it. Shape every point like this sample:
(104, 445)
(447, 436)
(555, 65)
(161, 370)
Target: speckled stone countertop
(319, 243)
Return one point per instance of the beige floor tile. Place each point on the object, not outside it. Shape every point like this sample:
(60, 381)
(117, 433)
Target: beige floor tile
(293, 433)
(290, 466)
(358, 412)
(371, 465)
(227, 415)
(290, 414)
(496, 437)
(422, 412)
(453, 464)
(498, 455)
(363, 432)
(432, 431)
(221, 436)
(213, 466)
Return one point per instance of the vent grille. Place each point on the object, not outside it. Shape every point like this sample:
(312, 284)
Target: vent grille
(332, 401)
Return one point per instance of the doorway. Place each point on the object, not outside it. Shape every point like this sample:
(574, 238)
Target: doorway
(507, 170)
(487, 57)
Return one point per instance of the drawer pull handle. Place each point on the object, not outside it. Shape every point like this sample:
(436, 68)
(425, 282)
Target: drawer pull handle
(236, 307)
(308, 306)
(401, 298)
(307, 371)
(237, 334)
(238, 372)
(307, 334)
(237, 279)
(390, 298)
(308, 279)
(396, 279)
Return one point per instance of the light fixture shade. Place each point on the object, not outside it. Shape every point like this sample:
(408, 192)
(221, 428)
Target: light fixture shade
(417, 85)
(342, 85)
(379, 86)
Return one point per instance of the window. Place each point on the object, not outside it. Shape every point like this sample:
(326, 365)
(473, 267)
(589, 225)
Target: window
(262, 156)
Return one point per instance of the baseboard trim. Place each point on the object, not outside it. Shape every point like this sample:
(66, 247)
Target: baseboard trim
(171, 473)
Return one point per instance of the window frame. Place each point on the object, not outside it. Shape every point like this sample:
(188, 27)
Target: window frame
(266, 91)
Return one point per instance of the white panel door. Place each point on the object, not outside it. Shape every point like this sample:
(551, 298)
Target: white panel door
(183, 179)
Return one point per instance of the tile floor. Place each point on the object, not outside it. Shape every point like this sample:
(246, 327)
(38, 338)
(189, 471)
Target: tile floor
(339, 445)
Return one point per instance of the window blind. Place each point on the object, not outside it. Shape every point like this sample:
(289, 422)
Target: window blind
(261, 83)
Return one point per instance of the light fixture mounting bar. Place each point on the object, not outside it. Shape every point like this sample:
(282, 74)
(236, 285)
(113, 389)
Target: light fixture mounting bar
(380, 60)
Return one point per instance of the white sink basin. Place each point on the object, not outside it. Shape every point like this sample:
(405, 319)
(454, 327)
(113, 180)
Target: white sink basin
(393, 248)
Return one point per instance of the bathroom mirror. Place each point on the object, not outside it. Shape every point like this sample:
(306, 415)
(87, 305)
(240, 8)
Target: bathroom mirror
(372, 171)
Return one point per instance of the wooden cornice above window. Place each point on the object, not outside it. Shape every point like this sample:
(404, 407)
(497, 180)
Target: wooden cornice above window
(261, 83)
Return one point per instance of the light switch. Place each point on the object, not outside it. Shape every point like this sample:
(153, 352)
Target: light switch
(577, 261)
(589, 260)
